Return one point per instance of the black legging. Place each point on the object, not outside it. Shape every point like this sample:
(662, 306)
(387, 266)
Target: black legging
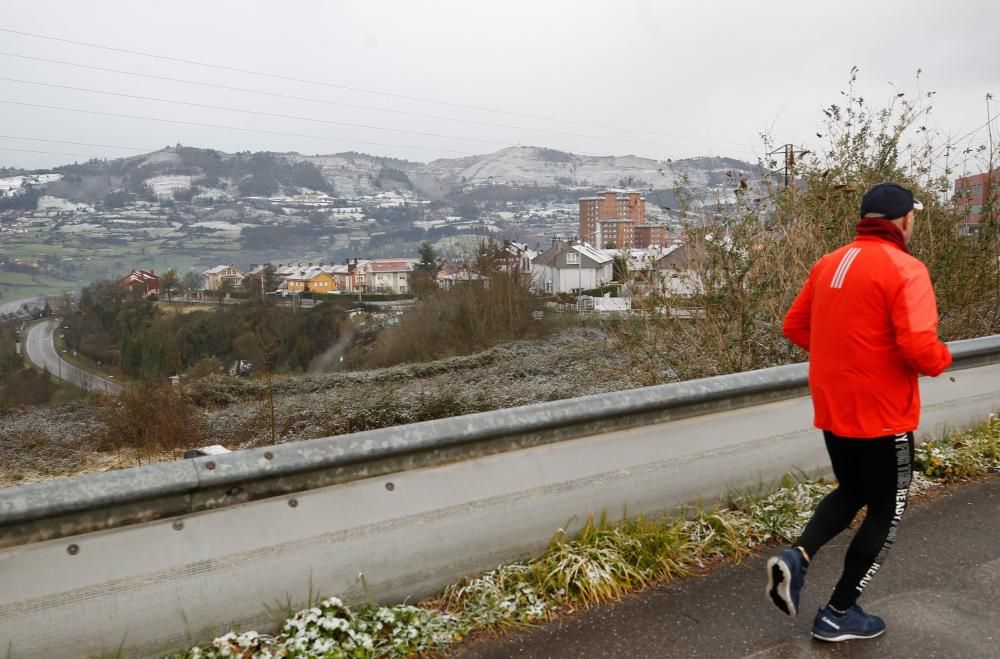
(870, 472)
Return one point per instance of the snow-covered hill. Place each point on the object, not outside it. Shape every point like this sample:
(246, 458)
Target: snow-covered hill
(176, 171)
(527, 165)
(352, 174)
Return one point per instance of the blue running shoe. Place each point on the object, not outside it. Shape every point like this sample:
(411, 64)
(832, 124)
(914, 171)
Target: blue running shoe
(786, 573)
(853, 623)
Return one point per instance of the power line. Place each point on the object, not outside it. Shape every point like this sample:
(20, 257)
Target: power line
(52, 153)
(979, 128)
(360, 107)
(264, 114)
(277, 76)
(224, 127)
(253, 112)
(952, 143)
(108, 146)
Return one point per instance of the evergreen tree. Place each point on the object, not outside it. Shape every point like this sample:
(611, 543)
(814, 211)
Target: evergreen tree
(428, 260)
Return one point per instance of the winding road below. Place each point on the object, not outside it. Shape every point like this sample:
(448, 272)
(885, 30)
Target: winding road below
(41, 351)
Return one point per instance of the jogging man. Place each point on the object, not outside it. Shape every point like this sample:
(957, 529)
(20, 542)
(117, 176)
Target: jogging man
(868, 320)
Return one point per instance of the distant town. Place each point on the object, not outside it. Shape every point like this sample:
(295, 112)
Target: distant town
(614, 218)
(231, 219)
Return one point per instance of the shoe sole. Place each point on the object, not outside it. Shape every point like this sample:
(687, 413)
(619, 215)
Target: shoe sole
(845, 637)
(779, 585)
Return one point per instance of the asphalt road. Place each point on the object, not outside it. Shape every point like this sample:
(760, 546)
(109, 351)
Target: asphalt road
(939, 593)
(42, 353)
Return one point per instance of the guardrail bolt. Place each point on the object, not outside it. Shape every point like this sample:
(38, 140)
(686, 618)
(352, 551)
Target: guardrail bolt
(269, 456)
(209, 465)
(73, 550)
(293, 502)
(178, 525)
(952, 378)
(390, 486)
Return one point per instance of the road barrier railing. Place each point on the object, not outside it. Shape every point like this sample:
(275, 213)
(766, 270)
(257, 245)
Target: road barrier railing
(168, 553)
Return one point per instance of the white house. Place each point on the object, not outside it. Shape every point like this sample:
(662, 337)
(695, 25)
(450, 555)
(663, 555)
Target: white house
(674, 272)
(387, 275)
(571, 267)
(215, 277)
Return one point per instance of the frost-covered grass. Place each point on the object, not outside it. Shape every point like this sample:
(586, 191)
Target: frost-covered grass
(43, 442)
(962, 456)
(62, 440)
(575, 363)
(601, 564)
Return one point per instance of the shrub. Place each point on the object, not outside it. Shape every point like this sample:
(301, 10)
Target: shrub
(471, 316)
(150, 418)
(749, 252)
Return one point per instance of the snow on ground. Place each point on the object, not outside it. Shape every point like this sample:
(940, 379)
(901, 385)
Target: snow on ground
(160, 157)
(212, 193)
(429, 224)
(218, 225)
(10, 183)
(46, 203)
(83, 227)
(164, 186)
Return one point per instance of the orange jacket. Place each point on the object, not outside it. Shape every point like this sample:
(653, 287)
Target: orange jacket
(868, 319)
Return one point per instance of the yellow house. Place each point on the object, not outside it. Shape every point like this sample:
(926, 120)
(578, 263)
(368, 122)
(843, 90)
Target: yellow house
(313, 280)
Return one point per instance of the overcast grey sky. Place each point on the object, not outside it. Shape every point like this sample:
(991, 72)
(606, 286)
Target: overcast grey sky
(656, 79)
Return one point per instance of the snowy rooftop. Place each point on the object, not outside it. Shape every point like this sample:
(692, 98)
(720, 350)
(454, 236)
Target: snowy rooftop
(397, 265)
(592, 253)
(219, 269)
(307, 273)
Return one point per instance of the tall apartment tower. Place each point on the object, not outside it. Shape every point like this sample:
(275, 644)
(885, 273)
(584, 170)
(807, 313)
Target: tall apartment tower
(972, 192)
(619, 217)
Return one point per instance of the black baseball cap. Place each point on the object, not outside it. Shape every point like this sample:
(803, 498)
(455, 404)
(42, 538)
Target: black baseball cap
(889, 200)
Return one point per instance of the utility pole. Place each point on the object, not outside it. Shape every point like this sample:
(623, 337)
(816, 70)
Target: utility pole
(790, 154)
(579, 281)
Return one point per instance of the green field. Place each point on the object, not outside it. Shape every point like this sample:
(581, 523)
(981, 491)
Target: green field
(17, 285)
(29, 249)
(78, 266)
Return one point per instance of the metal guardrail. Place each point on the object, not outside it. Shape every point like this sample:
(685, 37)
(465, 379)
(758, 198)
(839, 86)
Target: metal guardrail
(160, 490)
(154, 558)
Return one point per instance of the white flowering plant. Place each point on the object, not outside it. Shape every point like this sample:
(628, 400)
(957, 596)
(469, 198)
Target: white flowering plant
(331, 630)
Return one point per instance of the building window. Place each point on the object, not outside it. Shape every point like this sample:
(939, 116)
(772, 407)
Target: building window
(572, 258)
